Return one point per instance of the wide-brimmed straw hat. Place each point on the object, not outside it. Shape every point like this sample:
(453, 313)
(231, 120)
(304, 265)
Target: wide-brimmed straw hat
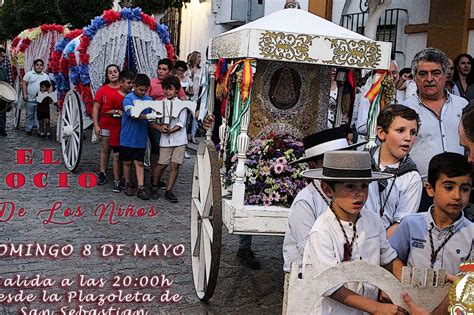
(317, 144)
(346, 166)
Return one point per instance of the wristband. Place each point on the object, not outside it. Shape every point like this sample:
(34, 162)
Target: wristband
(151, 116)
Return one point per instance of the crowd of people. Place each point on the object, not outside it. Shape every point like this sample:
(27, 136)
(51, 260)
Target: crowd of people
(124, 137)
(400, 203)
(127, 138)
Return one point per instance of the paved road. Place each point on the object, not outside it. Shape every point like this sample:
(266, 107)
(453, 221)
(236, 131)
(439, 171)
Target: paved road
(239, 289)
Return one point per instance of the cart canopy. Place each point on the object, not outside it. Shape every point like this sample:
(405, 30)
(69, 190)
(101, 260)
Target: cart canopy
(295, 35)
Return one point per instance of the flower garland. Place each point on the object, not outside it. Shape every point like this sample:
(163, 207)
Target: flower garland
(58, 64)
(21, 43)
(269, 179)
(80, 73)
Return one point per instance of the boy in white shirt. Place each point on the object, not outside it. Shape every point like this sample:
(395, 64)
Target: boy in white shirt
(392, 199)
(310, 202)
(173, 140)
(348, 231)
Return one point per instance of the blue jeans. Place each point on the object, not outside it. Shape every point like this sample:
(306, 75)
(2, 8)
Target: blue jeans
(245, 241)
(3, 120)
(31, 118)
(194, 127)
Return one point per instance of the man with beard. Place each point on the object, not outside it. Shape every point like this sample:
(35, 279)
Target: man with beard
(440, 112)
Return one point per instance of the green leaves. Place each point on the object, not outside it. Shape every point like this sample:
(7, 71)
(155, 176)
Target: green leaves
(18, 15)
(158, 6)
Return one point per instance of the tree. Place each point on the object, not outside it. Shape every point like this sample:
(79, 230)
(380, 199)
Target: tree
(376, 9)
(158, 6)
(18, 15)
(80, 12)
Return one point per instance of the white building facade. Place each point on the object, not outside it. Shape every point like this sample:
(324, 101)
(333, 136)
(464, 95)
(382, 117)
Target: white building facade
(410, 25)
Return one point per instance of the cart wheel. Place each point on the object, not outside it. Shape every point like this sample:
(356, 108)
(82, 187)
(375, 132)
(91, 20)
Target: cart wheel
(206, 220)
(71, 130)
(17, 104)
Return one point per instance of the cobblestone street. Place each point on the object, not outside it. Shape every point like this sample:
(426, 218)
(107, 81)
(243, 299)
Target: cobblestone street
(239, 289)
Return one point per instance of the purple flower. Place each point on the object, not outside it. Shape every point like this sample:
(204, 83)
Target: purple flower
(281, 160)
(274, 196)
(266, 201)
(278, 168)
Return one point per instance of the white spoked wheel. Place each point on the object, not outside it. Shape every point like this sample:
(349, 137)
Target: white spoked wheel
(206, 220)
(17, 104)
(71, 130)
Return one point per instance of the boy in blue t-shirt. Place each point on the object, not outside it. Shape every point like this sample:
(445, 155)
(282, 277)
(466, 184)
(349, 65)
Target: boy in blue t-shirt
(133, 136)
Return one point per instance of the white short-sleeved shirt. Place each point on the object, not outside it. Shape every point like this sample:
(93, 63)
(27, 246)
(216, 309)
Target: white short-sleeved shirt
(179, 137)
(404, 197)
(34, 79)
(305, 209)
(436, 135)
(363, 116)
(325, 248)
(411, 240)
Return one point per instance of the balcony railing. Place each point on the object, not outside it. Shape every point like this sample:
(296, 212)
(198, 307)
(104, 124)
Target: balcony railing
(387, 29)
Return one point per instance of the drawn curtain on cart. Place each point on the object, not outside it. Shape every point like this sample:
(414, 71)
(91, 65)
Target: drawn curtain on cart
(108, 46)
(147, 47)
(41, 48)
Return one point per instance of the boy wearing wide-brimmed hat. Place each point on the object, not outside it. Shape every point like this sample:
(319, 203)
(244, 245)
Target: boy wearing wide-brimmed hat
(392, 199)
(348, 231)
(310, 202)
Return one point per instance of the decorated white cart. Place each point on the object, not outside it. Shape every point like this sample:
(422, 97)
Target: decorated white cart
(29, 45)
(128, 38)
(285, 56)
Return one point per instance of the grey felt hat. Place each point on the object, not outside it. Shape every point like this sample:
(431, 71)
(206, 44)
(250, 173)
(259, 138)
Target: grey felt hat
(346, 166)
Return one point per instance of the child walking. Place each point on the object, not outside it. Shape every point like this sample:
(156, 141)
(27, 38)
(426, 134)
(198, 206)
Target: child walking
(347, 231)
(441, 237)
(42, 111)
(173, 141)
(133, 136)
(392, 199)
(107, 104)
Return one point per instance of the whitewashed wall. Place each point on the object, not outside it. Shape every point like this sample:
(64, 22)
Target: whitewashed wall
(198, 25)
(470, 45)
(276, 5)
(410, 44)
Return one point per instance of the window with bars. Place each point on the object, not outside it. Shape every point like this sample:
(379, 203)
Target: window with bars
(172, 18)
(386, 29)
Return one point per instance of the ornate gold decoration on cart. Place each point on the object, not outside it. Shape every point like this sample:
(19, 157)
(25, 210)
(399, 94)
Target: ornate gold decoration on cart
(281, 46)
(361, 53)
(461, 294)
